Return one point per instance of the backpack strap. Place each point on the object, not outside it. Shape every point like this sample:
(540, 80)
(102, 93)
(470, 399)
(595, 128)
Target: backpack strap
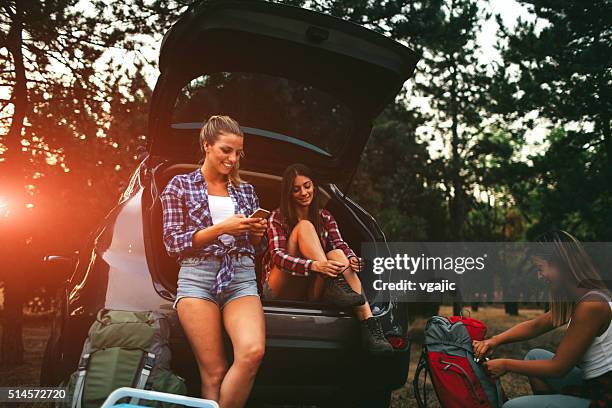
(80, 381)
(501, 395)
(421, 402)
(147, 367)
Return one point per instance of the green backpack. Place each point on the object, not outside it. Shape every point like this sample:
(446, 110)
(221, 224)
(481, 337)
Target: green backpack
(124, 349)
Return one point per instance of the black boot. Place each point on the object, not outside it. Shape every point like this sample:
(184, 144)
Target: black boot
(339, 293)
(372, 336)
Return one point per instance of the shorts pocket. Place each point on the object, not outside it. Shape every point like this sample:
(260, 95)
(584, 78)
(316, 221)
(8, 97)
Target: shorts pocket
(208, 265)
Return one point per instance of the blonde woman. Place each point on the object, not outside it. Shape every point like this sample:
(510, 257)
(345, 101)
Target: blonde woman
(579, 374)
(206, 226)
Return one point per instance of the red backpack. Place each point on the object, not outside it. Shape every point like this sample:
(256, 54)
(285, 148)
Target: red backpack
(448, 357)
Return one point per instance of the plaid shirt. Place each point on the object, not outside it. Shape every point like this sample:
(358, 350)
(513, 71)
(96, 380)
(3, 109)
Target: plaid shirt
(186, 211)
(278, 235)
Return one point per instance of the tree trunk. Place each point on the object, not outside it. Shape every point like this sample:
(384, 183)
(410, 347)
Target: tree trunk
(11, 348)
(19, 97)
(511, 308)
(457, 205)
(457, 308)
(12, 181)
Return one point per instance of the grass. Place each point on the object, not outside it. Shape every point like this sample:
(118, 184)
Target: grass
(36, 331)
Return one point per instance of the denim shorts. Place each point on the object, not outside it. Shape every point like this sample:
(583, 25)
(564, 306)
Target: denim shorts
(198, 275)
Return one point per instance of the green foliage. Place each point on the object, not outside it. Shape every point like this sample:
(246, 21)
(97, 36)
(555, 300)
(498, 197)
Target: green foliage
(559, 66)
(84, 117)
(396, 179)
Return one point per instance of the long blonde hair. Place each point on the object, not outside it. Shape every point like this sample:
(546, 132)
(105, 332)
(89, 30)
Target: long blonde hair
(563, 250)
(214, 126)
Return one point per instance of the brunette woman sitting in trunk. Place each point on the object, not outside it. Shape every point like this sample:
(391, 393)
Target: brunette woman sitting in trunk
(307, 259)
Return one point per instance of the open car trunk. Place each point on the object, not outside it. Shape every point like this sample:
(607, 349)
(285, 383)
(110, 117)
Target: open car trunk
(323, 341)
(300, 83)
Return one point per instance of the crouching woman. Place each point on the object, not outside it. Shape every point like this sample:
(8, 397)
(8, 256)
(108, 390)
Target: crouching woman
(579, 374)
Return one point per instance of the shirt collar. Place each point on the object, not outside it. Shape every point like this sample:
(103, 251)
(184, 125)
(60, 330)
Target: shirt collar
(197, 177)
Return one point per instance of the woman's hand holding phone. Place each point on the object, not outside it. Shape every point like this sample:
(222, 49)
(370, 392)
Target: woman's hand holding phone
(258, 227)
(238, 224)
(260, 213)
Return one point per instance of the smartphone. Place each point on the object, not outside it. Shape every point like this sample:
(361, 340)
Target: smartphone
(260, 213)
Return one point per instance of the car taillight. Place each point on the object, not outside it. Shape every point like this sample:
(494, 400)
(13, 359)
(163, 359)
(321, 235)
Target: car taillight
(397, 342)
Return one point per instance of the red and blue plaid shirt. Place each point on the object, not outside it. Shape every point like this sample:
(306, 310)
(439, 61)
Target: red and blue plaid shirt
(186, 211)
(277, 254)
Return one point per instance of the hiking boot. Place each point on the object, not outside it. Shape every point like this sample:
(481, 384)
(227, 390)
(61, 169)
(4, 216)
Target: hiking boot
(339, 293)
(372, 337)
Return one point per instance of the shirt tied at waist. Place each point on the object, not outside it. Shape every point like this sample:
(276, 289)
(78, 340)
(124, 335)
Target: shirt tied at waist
(225, 274)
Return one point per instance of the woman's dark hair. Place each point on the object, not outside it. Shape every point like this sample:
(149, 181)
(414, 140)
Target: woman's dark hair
(563, 250)
(287, 205)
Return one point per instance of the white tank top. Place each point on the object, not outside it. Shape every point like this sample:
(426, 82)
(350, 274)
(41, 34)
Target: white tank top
(221, 208)
(598, 358)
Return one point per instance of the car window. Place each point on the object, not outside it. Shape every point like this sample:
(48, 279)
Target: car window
(276, 105)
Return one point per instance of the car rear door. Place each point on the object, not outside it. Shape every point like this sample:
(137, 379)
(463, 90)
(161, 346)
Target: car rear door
(338, 76)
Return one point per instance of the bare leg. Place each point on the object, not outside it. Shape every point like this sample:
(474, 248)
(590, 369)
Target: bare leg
(304, 242)
(201, 320)
(362, 312)
(538, 385)
(316, 287)
(245, 325)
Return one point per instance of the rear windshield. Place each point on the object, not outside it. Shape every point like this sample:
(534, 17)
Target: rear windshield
(285, 109)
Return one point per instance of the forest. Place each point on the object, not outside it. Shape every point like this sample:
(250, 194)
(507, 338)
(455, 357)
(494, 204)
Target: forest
(504, 132)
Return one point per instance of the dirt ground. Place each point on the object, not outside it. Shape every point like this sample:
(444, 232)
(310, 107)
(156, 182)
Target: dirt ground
(37, 330)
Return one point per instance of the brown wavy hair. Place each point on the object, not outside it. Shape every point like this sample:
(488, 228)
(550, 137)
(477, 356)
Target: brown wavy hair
(287, 205)
(562, 249)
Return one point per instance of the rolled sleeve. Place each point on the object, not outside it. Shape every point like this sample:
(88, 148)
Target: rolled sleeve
(277, 242)
(178, 239)
(335, 239)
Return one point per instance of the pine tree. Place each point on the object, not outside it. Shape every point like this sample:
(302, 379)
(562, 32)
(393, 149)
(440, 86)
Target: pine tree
(559, 67)
(57, 97)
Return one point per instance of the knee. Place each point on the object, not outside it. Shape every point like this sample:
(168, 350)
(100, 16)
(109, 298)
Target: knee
(304, 225)
(212, 377)
(250, 355)
(537, 354)
(336, 254)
